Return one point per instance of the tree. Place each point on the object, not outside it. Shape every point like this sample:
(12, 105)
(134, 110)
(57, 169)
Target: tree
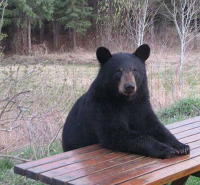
(3, 5)
(74, 15)
(183, 14)
(24, 14)
(130, 17)
(140, 15)
(43, 10)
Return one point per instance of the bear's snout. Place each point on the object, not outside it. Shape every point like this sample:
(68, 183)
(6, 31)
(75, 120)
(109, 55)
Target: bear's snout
(129, 88)
(127, 84)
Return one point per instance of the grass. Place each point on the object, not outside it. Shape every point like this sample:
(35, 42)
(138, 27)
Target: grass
(7, 176)
(180, 110)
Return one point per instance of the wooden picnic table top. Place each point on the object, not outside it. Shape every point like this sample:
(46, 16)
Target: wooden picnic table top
(94, 165)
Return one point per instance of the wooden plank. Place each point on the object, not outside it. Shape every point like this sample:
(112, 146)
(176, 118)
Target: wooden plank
(168, 174)
(194, 144)
(105, 159)
(185, 127)
(33, 172)
(21, 168)
(184, 122)
(188, 133)
(190, 139)
(125, 171)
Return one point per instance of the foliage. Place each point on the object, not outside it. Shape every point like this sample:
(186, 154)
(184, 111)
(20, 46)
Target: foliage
(73, 14)
(7, 175)
(19, 11)
(5, 164)
(181, 109)
(130, 17)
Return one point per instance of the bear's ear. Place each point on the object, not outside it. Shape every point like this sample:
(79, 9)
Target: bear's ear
(103, 55)
(143, 52)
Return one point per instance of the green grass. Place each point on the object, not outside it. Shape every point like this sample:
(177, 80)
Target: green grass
(7, 176)
(180, 110)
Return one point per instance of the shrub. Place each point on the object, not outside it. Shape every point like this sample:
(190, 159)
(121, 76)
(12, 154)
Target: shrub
(6, 164)
(182, 109)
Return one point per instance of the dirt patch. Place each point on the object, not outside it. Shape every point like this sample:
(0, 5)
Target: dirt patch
(77, 57)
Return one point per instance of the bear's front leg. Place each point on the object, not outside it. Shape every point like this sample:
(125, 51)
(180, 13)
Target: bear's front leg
(143, 145)
(122, 139)
(148, 146)
(162, 134)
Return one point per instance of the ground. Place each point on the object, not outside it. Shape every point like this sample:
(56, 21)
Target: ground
(50, 85)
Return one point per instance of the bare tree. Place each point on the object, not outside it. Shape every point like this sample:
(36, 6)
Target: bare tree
(140, 15)
(183, 14)
(131, 18)
(3, 4)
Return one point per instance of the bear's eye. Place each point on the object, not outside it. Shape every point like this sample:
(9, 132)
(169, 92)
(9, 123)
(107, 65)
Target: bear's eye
(117, 74)
(134, 70)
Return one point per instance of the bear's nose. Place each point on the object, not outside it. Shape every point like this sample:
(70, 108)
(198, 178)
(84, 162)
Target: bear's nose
(129, 87)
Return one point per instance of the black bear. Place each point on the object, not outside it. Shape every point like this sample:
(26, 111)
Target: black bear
(116, 111)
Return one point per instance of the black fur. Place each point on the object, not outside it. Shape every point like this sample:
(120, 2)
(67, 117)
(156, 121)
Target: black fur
(118, 122)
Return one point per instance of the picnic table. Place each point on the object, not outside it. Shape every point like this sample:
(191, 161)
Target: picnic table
(94, 165)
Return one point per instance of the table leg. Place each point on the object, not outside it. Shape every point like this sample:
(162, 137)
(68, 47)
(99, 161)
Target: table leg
(197, 174)
(181, 181)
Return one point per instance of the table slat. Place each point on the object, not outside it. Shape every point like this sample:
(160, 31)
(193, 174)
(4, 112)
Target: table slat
(169, 173)
(21, 168)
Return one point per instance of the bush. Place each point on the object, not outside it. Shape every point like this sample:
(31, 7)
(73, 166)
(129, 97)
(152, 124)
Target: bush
(182, 109)
(5, 164)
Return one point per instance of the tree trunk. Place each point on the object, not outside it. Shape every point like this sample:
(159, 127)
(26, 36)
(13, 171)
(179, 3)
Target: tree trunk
(152, 31)
(41, 33)
(74, 39)
(195, 32)
(182, 57)
(2, 15)
(19, 42)
(55, 35)
(29, 36)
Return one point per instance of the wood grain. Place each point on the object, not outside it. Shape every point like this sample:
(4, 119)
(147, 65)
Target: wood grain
(21, 168)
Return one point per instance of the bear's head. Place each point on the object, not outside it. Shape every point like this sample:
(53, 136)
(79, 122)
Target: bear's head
(123, 74)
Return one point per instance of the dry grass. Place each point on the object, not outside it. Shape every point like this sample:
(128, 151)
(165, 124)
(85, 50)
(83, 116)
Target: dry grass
(49, 89)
